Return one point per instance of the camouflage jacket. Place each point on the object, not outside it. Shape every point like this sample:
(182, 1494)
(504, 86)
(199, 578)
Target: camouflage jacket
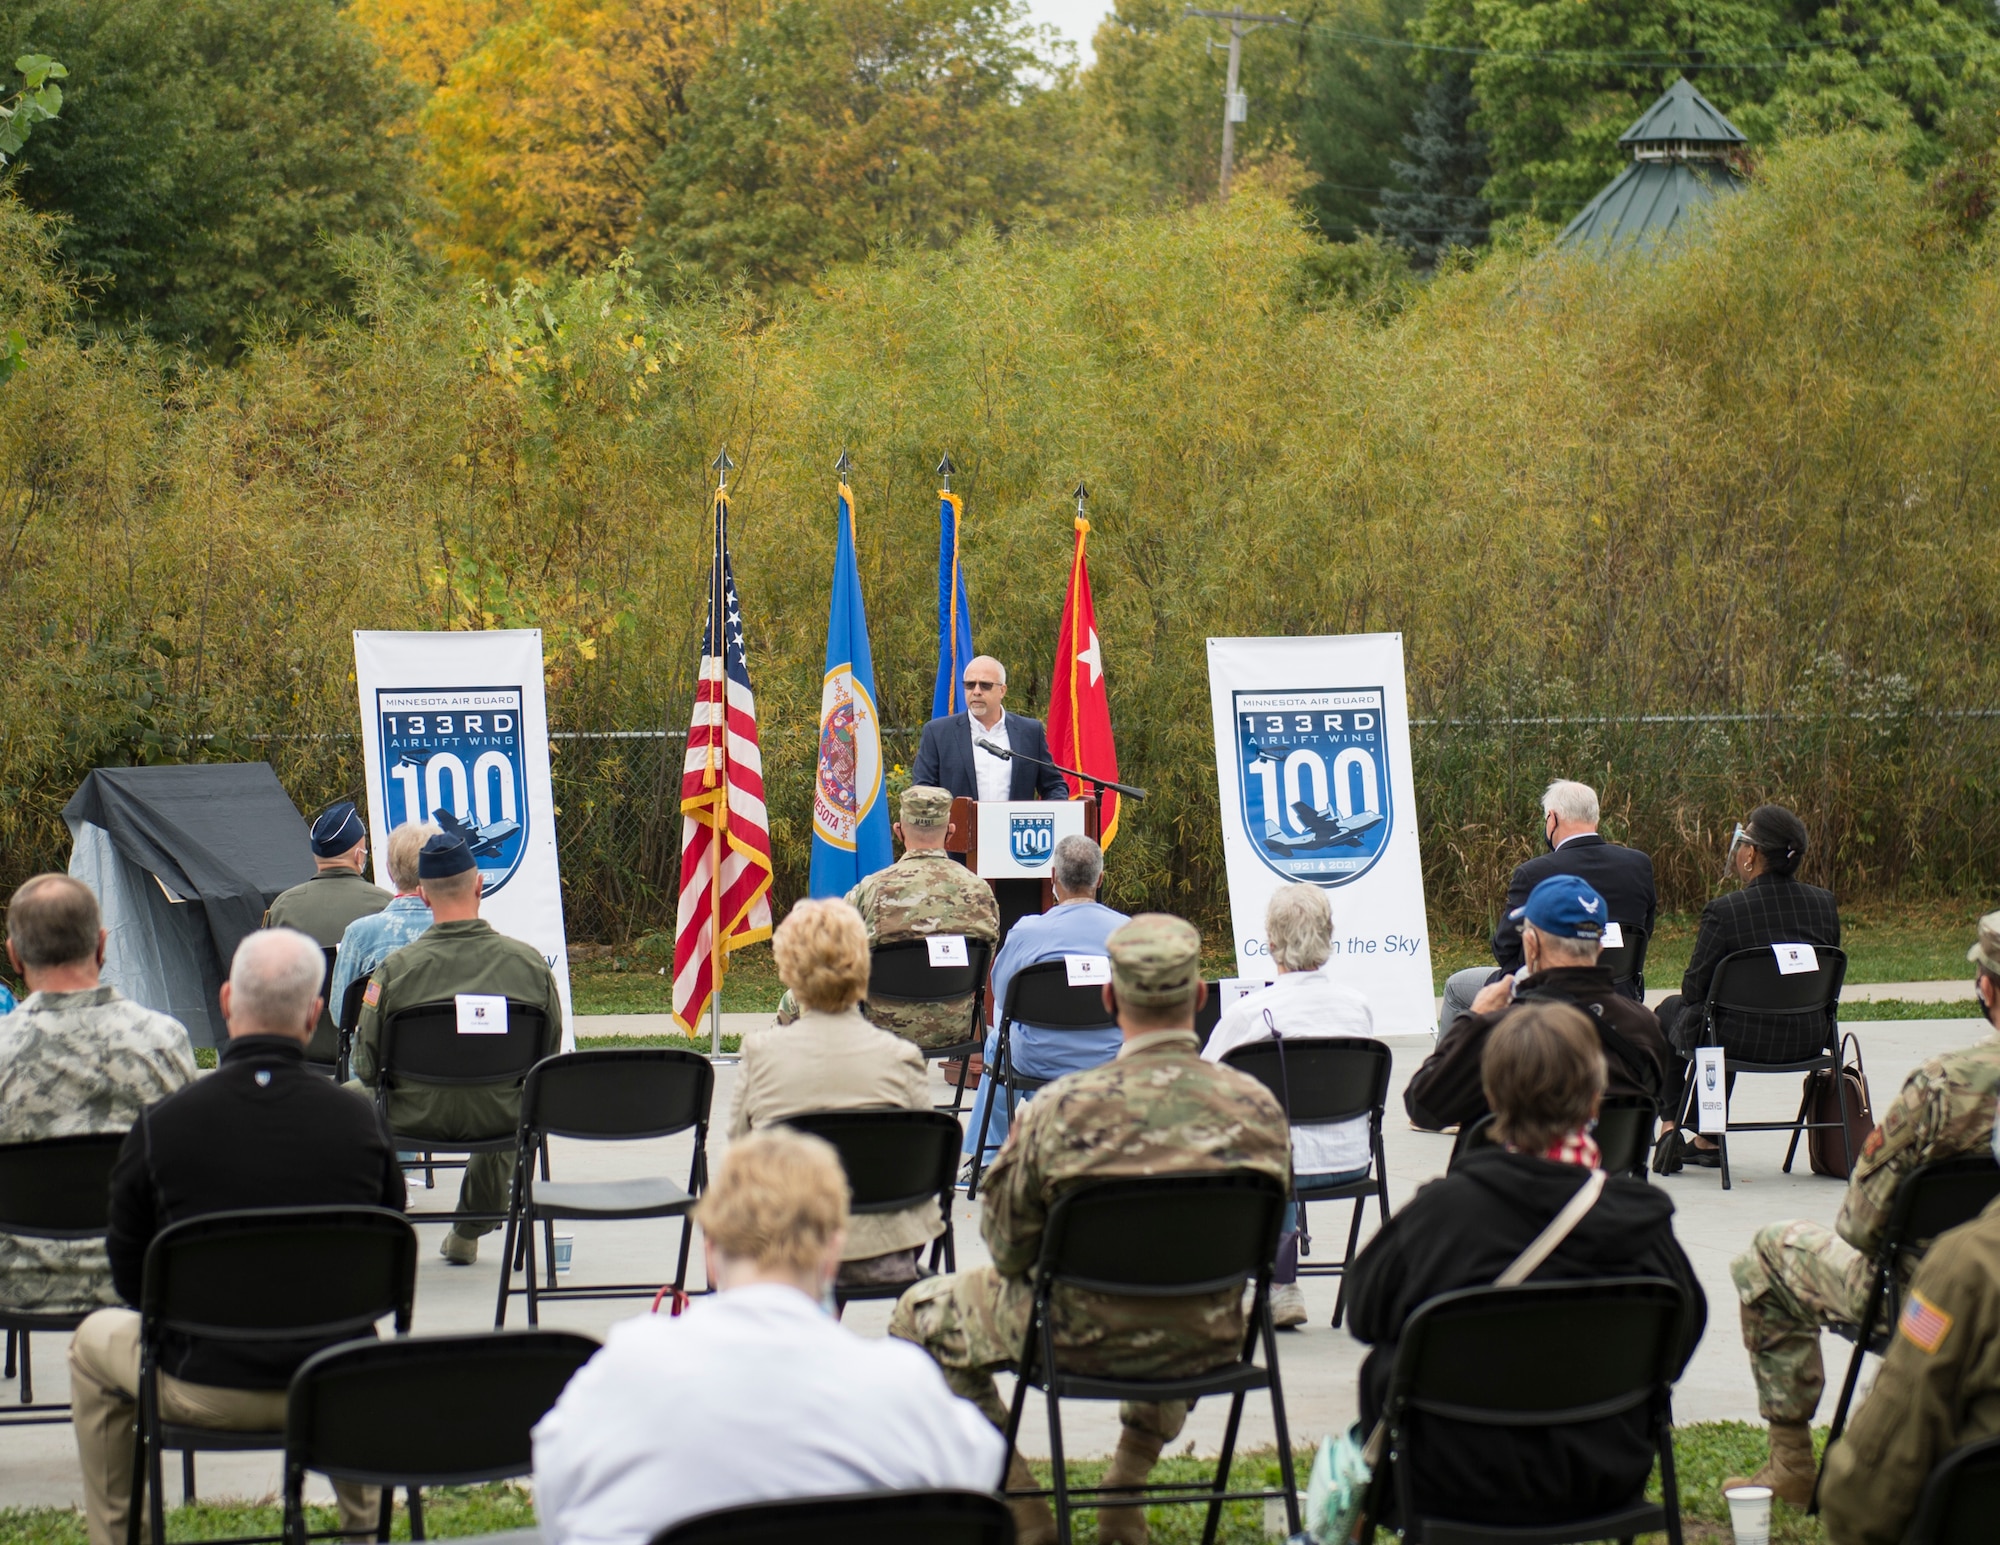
(919, 895)
(1938, 1388)
(1945, 1110)
(1155, 1109)
(73, 1063)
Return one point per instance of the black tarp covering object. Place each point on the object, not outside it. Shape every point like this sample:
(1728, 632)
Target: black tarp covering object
(223, 838)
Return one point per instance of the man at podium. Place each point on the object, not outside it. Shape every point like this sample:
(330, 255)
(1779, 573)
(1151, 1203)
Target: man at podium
(951, 758)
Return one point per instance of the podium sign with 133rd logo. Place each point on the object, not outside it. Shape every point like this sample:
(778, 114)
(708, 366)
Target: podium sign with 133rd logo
(1314, 772)
(849, 777)
(454, 756)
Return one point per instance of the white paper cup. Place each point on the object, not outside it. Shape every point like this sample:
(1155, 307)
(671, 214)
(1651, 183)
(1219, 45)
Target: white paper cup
(566, 1246)
(1750, 1514)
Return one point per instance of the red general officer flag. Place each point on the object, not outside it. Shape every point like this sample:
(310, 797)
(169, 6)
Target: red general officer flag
(1079, 705)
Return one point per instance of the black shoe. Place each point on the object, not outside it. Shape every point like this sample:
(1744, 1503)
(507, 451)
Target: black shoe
(1701, 1158)
(1667, 1153)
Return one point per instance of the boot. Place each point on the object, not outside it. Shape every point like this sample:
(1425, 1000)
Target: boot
(1789, 1471)
(1034, 1523)
(1131, 1465)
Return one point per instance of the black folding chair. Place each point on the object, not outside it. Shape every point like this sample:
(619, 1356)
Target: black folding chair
(421, 1045)
(1961, 1498)
(1933, 1199)
(864, 1518)
(57, 1188)
(618, 1095)
(1507, 1358)
(1627, 963)
(1165, 1237)
(348, 1020)
(1209, 1015)
(1040, 996)
(1320, 1080)
(1626, 1124)
(281, 1274)
(329, 1069)
(903, 973)
(1749, 982)
(895, 1160)
(422, 1411)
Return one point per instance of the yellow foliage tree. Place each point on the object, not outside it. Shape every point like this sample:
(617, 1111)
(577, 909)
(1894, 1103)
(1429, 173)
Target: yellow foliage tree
(540, 139)
(426, 38)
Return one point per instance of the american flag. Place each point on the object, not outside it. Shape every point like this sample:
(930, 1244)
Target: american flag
(722, 805)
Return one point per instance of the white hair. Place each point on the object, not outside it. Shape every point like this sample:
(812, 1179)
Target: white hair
(1078, 864)
(1561, 951)
(998, 668)
(273, 979)
(1298, 924)
(1573, 803)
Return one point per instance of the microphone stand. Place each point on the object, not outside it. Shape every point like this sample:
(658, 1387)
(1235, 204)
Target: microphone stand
(1097, 785)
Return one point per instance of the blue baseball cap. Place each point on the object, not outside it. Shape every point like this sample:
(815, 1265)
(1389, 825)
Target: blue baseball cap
(1564, 907)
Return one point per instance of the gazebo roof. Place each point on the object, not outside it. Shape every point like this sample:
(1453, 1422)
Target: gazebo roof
(1682, 117)
(1649, 201)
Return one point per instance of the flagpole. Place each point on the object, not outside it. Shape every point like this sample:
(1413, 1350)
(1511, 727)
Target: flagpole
(718, 597)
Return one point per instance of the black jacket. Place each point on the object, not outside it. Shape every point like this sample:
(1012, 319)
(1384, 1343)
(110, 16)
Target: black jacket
(1771, 909)
(944, 758)
(1622, 876)
(1446, 1090)
(262, 1130)
(1463, 1231)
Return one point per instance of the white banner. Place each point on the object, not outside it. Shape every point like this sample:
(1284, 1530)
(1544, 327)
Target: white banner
(1312, 755)
(454, 728)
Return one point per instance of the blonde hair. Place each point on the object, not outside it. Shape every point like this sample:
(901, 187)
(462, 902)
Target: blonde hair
(822, 953)
(405, 843)
(1298, 924)
(778, 1199)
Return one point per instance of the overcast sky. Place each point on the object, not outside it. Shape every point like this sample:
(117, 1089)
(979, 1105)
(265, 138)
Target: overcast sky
(1074, 19)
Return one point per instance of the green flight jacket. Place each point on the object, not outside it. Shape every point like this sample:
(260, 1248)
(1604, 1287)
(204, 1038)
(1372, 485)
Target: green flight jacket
(321, 908)
(1938, 1389)
(452, 958)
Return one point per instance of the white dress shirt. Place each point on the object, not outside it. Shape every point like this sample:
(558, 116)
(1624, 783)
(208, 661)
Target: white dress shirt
(995, 775)
(1303, 1003)
(754, 1395)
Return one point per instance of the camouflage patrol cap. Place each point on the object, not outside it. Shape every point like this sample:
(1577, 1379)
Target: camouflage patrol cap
(1986, 953)
(1155, 960)
(926, 805)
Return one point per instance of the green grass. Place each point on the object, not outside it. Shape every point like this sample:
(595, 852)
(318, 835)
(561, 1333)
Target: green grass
(1853, 1010)
(1904, 942)
(730, 1043)
(632, 982)
(1704, 1454)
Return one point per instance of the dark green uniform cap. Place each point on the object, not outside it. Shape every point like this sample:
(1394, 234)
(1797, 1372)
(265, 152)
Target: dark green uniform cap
(926, 805)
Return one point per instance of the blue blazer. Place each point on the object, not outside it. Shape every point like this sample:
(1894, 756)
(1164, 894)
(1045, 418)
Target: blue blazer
(944, 760)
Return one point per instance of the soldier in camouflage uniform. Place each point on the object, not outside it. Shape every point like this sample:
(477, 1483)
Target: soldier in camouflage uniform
(925, 892)
(1799, 1276)
(76, 1058)
(1157, 1109)
(459, 952)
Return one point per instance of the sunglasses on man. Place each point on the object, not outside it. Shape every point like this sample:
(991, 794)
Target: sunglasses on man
(982, 686)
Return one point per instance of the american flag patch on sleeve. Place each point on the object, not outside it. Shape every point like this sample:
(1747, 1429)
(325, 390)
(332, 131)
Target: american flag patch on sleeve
(373, 995)
(1924, 1324)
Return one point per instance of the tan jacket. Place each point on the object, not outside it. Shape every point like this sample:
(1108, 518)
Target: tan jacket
(837, 1062)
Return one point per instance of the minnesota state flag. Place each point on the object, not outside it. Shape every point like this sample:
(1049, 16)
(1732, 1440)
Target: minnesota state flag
(850, 818)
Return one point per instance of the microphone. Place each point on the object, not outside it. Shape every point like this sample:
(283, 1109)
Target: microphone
(1005, 753)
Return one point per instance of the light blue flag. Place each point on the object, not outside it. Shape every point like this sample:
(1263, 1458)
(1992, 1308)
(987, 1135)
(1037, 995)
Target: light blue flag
(954, 617)
(850, 817)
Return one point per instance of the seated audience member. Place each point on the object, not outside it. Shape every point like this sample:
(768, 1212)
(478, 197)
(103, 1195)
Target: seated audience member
(1078, 924)
(322, 907)
(757, 1393)
(370, 940)
(1559, 923)
(75, 1058)
(830, 1058)
(1938, 1388)
(1544, 1071)
(1798, 1276)
(1154, 1109)
(924, 892)
(263, 1130)
(1304, 1001)
(459, 952)
(1622, 876)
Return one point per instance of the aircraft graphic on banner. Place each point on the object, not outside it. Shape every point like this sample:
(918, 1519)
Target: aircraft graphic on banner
(455, 757)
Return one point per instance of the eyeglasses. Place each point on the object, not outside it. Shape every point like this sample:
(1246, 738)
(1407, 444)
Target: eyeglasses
(982, 686)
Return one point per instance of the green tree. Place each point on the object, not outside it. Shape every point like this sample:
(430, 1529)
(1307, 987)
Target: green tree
(206, 148)
(831, 128)
(1357, 103)
(1438, 204)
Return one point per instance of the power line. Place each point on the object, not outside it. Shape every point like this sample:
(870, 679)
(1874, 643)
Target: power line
(1632, 58)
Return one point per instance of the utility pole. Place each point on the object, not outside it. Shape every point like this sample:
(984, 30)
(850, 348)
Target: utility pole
(1236, 103)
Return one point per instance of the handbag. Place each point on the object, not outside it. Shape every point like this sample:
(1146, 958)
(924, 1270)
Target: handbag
(1344, 1468)
(1823, 1104)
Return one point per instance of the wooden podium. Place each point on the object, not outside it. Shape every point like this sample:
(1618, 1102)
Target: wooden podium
(1016, 897)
